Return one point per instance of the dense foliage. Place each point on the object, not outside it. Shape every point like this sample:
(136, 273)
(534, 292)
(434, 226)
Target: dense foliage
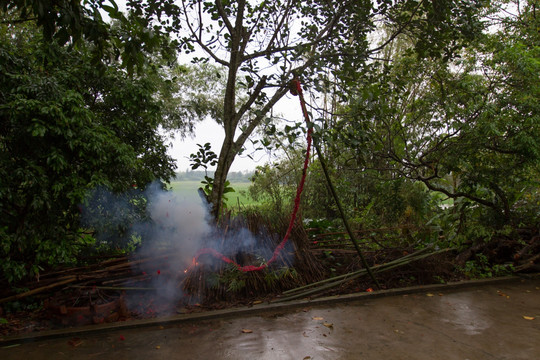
(67, 126)
(429, 116)
(442, 140)
(262, 45)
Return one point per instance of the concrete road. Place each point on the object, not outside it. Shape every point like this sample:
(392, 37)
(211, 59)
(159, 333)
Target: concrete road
(497, 321)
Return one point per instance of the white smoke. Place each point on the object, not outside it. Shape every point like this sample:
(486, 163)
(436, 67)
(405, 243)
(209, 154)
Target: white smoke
(180, 224)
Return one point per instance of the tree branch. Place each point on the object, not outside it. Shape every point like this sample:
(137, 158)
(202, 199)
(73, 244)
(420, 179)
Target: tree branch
(259, 117)
(458, 194)
(223, 16)
(245, 107)
(398, 31)
(199, 41)
(323, 35)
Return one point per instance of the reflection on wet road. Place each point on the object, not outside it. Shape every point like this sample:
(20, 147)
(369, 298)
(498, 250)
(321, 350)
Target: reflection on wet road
(462, 312)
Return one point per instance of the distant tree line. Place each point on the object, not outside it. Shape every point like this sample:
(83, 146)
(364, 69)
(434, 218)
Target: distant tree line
(194, 175)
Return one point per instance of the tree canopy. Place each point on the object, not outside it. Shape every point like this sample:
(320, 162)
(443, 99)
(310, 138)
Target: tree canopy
(264, 44)
(67, 125)
(456, 126)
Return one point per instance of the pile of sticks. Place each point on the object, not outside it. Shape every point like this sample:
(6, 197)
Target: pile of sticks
(111, 274)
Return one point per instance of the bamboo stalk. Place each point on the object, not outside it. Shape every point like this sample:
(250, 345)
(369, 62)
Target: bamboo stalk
(38, 290)
(344, 276)
(127, 279)
(401, 261)
(342, 213)
(119, 288)
(338, 280)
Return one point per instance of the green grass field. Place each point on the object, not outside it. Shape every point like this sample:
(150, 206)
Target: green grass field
(188, 188)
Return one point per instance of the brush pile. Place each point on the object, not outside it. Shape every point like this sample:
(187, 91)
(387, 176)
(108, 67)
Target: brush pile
(165, 275)
(212, 280)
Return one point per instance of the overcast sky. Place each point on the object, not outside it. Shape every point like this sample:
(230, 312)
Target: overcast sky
(210, 131)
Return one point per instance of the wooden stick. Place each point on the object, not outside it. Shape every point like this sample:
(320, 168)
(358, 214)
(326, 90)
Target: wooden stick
(342, 213)
(38, 290)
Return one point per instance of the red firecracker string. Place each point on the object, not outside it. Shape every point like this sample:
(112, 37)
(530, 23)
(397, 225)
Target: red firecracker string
(295, 84)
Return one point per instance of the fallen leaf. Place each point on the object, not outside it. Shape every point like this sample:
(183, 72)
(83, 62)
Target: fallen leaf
(247, 331)
(256, 302)
(429, 294)
(122, 338)
(329, 325)
(158, 347)
(528, 317)
(307, 358)
(369, 290)
(317, 318)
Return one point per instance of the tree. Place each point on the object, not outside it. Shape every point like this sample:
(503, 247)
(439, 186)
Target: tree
(458, 125)
(75, 23)
(264, 44)
(193, 93)
(67, 125)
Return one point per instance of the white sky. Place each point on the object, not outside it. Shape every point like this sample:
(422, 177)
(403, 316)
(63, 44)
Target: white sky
(209, 131)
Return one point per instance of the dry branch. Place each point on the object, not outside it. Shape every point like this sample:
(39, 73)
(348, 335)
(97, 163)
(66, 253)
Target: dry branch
(39, 290)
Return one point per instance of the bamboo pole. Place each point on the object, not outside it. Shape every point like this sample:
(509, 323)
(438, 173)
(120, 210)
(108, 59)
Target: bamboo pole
(344, 276)
(38, 290)
(332, 282)
(342, 213)
(119, 288)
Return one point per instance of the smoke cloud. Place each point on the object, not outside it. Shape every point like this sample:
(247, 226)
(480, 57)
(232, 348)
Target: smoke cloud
(168, 229)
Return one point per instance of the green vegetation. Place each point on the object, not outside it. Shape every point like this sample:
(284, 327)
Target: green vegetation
(427, 113)
(240, 196)
(68, 125)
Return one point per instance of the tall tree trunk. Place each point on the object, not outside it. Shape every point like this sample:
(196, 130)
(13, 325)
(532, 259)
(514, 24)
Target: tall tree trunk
(230, 116)
(226, 158)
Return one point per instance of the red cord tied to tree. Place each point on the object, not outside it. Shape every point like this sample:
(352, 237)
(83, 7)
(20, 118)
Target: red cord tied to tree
(296, 90)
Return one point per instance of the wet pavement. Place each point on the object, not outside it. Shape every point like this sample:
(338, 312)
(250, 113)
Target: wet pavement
(498, 321)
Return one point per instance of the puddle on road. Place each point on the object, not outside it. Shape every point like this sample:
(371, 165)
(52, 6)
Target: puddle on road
(272, 338)
(461, 312)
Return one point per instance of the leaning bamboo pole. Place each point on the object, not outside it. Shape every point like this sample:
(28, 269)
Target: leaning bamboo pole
(320, 286)
(342, 213)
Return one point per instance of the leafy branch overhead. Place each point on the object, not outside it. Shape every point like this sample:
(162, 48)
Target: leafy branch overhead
(204, 157)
